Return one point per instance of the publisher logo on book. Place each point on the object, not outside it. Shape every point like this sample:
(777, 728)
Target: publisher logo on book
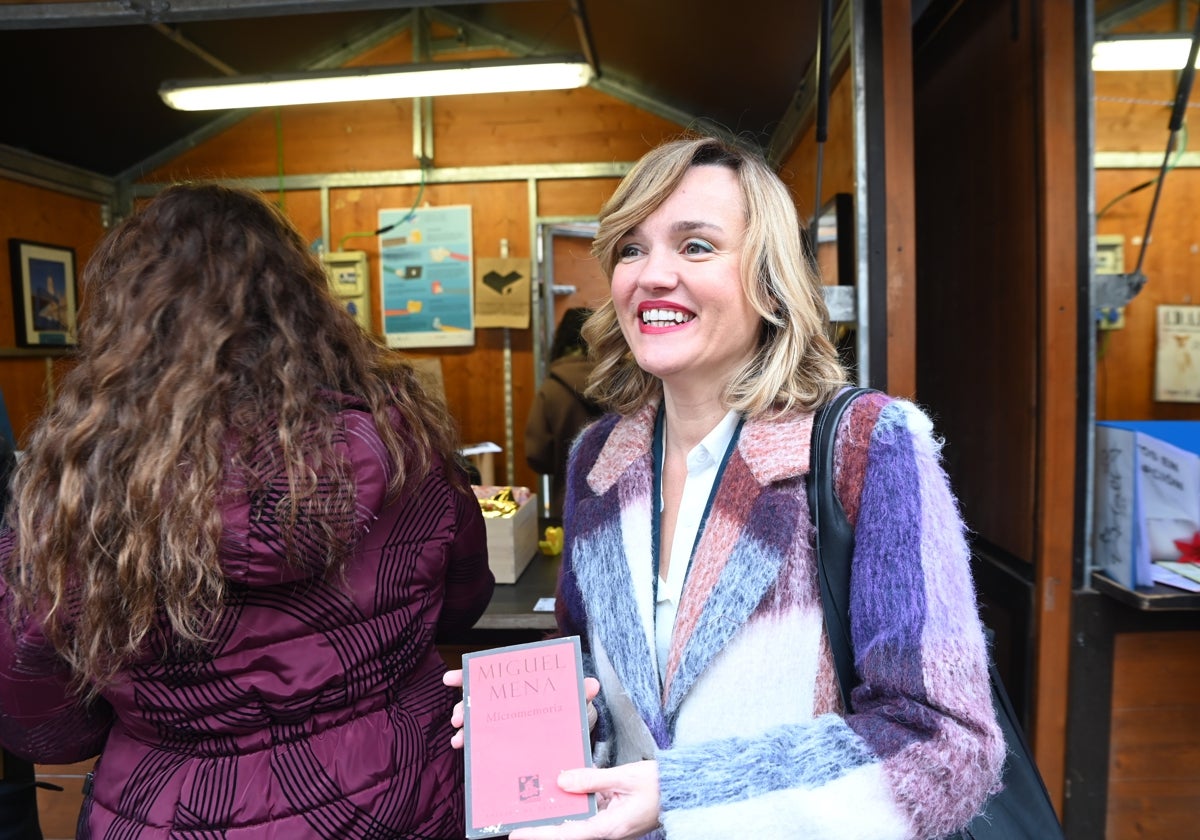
(529, 787)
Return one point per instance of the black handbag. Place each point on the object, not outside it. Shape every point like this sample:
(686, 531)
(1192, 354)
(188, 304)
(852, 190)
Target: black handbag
(1022, 809)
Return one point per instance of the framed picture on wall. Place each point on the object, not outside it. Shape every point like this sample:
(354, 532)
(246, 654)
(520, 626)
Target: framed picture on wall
(44, 299)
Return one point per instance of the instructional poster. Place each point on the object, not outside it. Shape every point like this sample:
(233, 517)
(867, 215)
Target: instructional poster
(426, 278)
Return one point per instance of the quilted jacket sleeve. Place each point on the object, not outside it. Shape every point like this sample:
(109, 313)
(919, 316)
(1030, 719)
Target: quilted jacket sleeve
(469, 580)
(41, 718)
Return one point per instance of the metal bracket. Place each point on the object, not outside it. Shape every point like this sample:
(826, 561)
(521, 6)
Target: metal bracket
(842, 303)
(1112, 291)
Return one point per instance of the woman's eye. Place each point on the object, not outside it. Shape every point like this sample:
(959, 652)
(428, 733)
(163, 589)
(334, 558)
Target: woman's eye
(628, 251)
(697, 246)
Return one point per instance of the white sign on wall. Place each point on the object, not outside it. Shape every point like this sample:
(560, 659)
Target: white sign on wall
(1177, 360)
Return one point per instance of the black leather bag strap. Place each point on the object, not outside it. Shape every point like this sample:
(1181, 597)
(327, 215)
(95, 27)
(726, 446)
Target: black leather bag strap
(833, 537)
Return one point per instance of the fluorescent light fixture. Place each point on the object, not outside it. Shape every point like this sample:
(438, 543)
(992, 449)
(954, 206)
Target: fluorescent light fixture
(1141, 52)
(402, 81)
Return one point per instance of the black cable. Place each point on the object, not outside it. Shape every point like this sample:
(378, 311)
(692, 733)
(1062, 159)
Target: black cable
(1182, 93)
(824, 28)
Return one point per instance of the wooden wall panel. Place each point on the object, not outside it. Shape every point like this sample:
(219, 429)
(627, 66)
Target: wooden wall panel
(27, 384)
(899, 185)
(534, 128)
(1125, 358)
(58, 810)
(997, 288)
(303, 207)
(473, 376)
(977, 242)
(799, 170)
(41, 215)
(1154, 765)
(580, 197)
(1146, 810)
(574, 265)
(365, 136)
(543, 127)
(1057, 404)
(1132, 111)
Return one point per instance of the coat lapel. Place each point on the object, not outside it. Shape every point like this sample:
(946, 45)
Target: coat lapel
(747, 538)
(756, 516)
(613, 564)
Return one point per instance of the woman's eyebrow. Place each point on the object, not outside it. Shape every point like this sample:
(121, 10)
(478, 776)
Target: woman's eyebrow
(682, 226)
(686, 225)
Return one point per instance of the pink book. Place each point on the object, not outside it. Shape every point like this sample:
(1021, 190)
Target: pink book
(526, 721)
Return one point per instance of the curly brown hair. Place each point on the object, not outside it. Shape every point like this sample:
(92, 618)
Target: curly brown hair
(207, 331)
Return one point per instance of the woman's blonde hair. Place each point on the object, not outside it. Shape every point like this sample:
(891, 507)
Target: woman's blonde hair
(796, 365)
(209, 343)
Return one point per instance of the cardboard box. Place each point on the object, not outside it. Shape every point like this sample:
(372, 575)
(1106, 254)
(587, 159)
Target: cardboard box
(512, 540)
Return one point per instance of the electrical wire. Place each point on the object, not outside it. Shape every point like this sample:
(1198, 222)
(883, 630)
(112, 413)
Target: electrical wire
(407, 216)
(1183, 138)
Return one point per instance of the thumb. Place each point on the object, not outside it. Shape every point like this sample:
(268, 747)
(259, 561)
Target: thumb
(582, 780)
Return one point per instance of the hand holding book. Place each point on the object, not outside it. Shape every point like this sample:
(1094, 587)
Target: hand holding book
(524, 720)
(629, 798)
(454, 679)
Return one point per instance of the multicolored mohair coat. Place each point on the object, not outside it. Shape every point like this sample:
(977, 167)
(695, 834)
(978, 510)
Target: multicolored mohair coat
(748, 730)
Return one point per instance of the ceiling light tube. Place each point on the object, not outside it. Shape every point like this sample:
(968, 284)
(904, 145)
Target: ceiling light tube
(1141, 52)
(403, 81)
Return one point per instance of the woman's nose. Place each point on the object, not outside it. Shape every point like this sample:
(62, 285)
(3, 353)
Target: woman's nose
(660, 269)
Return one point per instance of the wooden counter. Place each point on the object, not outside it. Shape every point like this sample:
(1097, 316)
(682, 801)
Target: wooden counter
(1133, 747)
(510, 618)
(512, 604)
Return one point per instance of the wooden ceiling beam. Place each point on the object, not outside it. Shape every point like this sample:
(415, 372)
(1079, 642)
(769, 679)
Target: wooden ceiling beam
(138, 12)
(1124, 13)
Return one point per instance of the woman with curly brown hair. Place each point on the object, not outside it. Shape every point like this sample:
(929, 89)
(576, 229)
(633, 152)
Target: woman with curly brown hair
(234, 537)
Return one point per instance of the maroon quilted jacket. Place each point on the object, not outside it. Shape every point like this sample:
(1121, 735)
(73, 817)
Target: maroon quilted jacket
(318, 711)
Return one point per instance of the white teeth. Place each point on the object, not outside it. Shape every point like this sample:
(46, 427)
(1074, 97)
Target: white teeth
(664, 317)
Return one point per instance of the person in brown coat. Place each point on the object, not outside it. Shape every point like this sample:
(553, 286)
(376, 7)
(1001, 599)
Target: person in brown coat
(560, 411)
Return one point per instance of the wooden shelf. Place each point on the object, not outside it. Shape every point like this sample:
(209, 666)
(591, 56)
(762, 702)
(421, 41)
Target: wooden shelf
(1155, 597)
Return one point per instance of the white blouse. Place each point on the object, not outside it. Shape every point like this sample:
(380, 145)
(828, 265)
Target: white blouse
(703, 462)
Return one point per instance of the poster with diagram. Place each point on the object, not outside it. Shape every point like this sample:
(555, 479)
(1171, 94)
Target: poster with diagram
(426, 280)
(1177, 360)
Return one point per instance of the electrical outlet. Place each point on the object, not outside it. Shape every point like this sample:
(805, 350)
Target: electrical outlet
(347, 271)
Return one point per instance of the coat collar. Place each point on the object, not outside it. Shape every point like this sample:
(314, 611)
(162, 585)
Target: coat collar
(738, 558)
(774, 449)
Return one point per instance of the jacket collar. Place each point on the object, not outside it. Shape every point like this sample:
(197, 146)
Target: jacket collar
(774, 449)
(738, 558)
